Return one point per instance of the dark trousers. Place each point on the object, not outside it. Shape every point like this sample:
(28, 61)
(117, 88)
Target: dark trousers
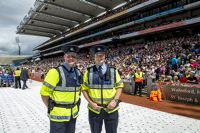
(63, 127)
(175, 67)
(110, 121)
(17, 82)
(138, 86)
(24, 84)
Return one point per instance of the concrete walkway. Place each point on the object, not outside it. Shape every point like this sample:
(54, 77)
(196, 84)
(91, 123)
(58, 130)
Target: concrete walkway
(22, 111)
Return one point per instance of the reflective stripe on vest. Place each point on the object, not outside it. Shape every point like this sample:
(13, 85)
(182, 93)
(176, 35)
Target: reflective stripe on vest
(64, 103)
(98, 86)
(63, 76)
(60, 88)
(120, 82)
(67, 118)
(67, 89)
(48, 85)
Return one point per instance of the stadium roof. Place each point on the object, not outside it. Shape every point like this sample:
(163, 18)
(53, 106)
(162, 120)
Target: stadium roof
(7, 60)
(51, 18)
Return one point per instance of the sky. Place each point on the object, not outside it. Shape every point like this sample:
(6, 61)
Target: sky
(12, 13)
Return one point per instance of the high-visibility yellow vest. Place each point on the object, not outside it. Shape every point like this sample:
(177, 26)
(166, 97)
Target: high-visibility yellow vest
(62, 92)
(17, 73)
(138, 77)
(105, 93)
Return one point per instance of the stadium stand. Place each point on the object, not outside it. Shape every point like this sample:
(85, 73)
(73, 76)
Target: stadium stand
(142, 33)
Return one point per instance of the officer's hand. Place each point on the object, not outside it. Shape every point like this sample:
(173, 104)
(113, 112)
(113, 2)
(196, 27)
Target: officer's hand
(95, 106)
(112, 104)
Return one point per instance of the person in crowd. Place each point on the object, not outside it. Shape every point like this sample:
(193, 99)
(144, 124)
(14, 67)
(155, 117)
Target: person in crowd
(192, 78)
(198, 71)
(174, 63)
(24, 76)
(158, 71)
(176, 80)
(183, 78)
(17, 73)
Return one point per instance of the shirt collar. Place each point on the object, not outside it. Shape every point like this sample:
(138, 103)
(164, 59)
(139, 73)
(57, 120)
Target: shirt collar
(68, 67)
(103, 66)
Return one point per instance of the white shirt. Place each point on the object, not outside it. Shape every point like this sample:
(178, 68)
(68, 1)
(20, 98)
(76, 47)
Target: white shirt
(104, 68)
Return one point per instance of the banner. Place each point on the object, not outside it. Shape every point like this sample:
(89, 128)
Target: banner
(179, 93)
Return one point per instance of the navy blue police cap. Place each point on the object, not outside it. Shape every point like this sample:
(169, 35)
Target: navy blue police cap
(67, 49)
(97, 49)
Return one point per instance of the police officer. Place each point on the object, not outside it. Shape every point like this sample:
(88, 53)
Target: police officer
(102, 87)
(17, 73)
(60, 93)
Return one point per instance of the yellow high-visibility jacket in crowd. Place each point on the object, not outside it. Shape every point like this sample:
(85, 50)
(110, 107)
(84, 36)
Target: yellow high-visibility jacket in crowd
(103, 93)
(17, 73)
(138, 77)
(64, 90)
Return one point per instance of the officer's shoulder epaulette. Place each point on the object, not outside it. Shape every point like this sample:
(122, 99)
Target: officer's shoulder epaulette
(57, 67)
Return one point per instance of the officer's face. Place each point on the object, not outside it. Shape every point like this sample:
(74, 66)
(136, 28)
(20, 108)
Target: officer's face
(70, 59)
(100, 58)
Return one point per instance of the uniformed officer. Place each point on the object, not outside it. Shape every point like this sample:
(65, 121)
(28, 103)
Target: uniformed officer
(60, 93)
(17, 73)
(102, 87)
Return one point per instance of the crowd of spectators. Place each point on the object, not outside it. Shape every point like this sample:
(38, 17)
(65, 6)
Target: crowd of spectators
(6, 70)
(6, 76)
(175, 59)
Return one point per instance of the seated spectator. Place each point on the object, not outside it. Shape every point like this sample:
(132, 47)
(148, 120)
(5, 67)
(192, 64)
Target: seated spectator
(183, 79)
(198, 71)
(176, 79)
(162, 78)
(193, 64)
(192, 78)
(169, 79)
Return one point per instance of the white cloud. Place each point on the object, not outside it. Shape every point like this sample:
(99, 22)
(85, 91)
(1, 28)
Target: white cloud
(12, 13)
